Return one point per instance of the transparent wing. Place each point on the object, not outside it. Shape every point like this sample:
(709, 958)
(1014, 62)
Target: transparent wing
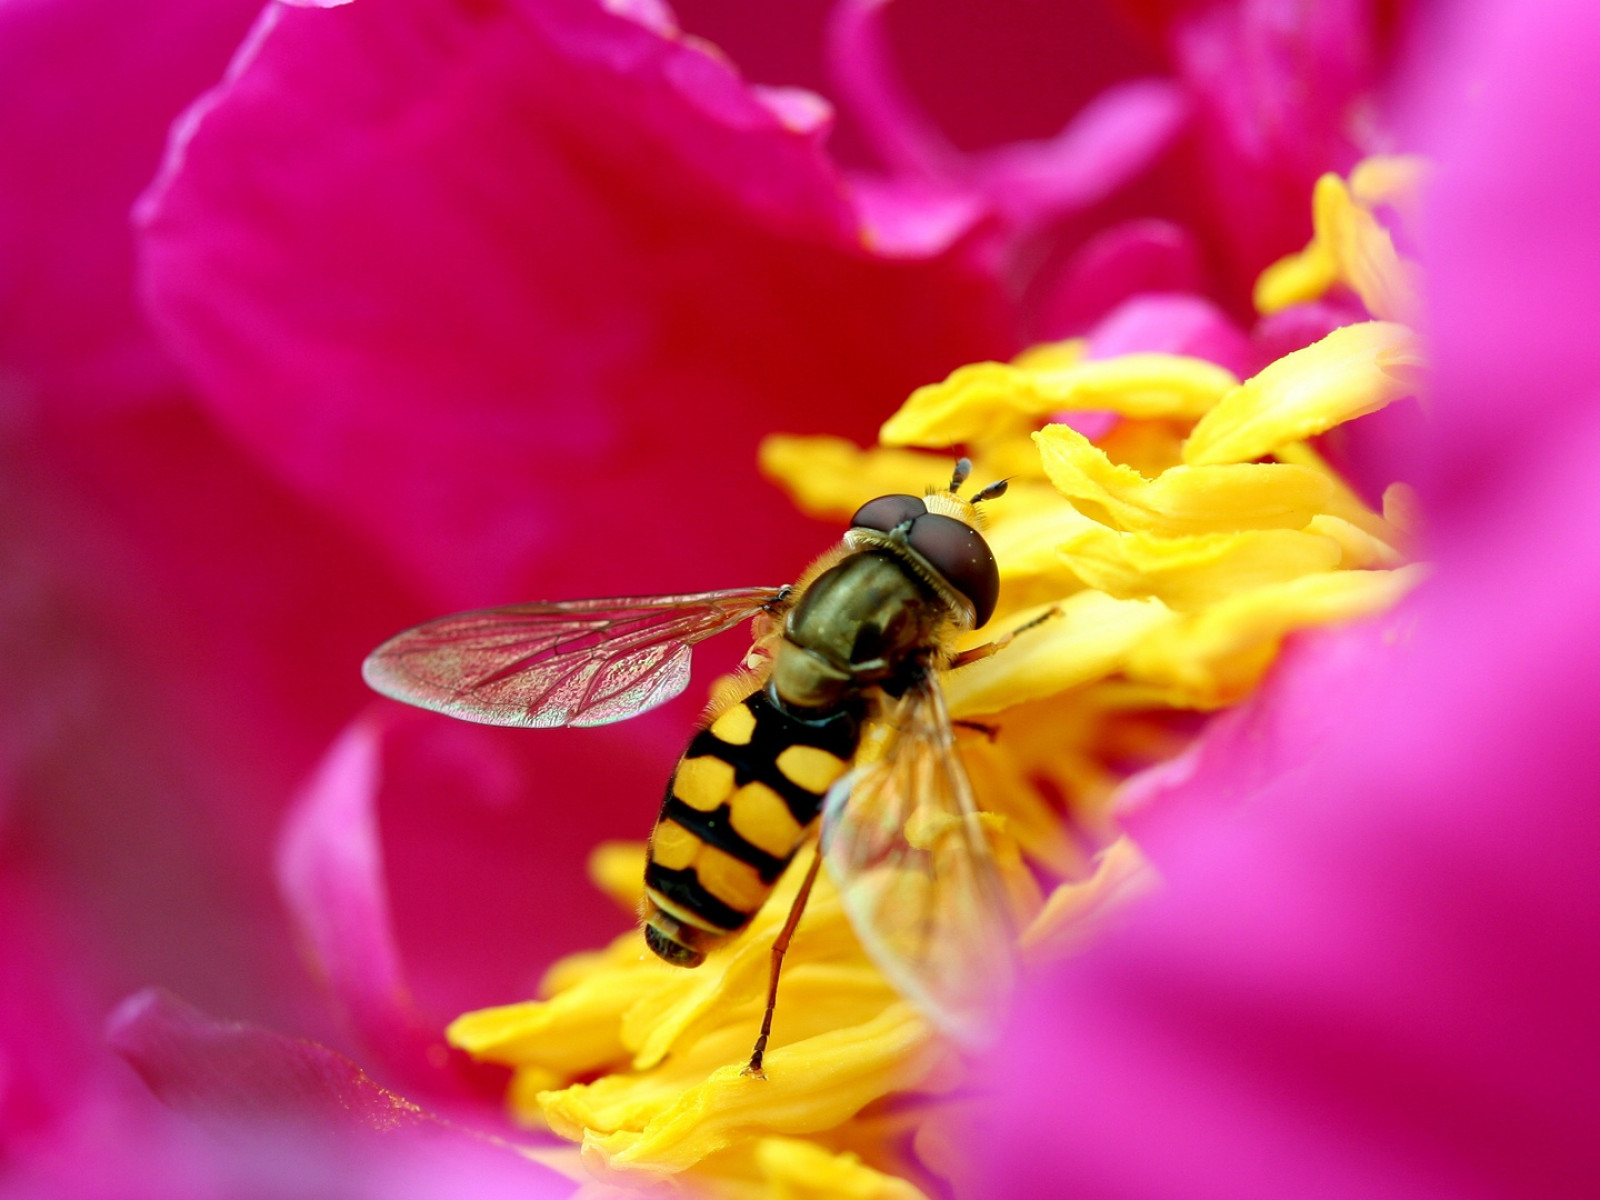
(577, 662)
(903, 840)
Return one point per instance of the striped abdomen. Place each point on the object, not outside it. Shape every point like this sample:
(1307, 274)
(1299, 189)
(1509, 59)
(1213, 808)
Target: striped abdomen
(738, 806)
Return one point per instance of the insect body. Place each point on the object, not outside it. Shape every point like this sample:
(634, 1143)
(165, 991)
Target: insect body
(852, 650)
(740, 804)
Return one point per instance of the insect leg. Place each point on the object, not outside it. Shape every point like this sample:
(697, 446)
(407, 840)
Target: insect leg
(779, 946)
(1000, 643)
(989, 731)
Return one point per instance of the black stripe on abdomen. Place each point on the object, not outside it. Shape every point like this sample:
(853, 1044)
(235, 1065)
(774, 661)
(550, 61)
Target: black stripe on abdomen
(775, 731)
(714, 828)
(684, 889)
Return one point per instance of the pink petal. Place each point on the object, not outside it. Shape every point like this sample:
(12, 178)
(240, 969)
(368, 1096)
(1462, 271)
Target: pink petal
(1299, 325)
(331, 872)
(906, 141)
(1512, 240)
(1279, 88)
(91, 87)
(1116, 137)
(1375, 974)
(433, 866)
(1368, 975)
(1274, 738)
(298, 1108)
(229, 1070)
(914, 218)
(1124, 261)
(560, 262)
(486, 871)
(1173, 324)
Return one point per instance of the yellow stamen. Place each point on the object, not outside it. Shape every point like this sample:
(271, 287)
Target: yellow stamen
(967, 405)
(1351, 246)
(1345, 375)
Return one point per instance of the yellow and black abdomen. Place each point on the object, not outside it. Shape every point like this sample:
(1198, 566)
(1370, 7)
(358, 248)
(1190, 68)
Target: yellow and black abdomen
(737, 808)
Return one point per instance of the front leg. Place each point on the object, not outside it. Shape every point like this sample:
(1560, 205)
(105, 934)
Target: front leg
(978, 653)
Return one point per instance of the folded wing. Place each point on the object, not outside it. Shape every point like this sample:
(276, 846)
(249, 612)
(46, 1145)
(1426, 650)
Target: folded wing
(904, 842)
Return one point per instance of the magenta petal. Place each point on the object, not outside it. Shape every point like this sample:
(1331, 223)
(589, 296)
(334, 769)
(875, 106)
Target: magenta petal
(90, 88)
(1299, 325)
(1376, 975)
(1372, 970)
(1173, 324)
(459, 271)
(331, 871)
(230, 1070)
(1116, 265)
(1513, 237)
(862, 67)
(1279, 88)
(434, 866)
(914, 218)
(486, 870)
(1273, 738)
(1117, 136)
(308, 1108)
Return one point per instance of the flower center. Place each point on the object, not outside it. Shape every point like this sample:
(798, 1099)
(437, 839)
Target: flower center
(1177, 549)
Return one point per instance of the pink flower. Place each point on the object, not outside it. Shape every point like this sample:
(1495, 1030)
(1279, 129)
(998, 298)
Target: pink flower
(433, 304)
(1373, 970)
(709, 284)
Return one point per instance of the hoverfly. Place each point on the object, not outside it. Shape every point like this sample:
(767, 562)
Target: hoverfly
(839, 716)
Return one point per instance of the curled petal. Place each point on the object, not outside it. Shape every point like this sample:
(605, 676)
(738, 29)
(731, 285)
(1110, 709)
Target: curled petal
(1172, 324)
(1114, 266)
(230, 1070)
(297, 1102)
(1027, 185)
(330, 869)
(444, 265)
(903, 136)
(1116, 137)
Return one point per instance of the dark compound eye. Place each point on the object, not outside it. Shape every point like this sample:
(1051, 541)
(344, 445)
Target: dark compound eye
(959, 553)
(888, 512)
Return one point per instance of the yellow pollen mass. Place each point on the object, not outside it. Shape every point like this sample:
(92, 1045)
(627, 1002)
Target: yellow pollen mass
(703, 782)
(759, 815)
(1350, 245)
(810, 768)
(735, 726)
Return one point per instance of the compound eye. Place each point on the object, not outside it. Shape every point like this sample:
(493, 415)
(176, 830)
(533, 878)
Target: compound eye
(959, 553)
(888, 512)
